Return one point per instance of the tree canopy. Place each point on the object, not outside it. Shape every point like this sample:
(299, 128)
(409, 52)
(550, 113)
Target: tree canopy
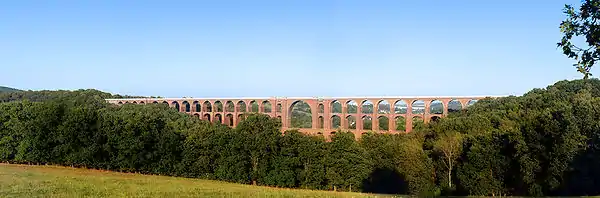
(542, 143)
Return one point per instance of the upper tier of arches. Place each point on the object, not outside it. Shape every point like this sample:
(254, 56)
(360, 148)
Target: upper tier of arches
(432, 105)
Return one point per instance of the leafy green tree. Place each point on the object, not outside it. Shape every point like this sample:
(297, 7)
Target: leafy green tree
(287, 164)
(582, 23)
(449, 147)
(313, 152)
(385, 153)
(485, 167)
(417, 167)
(262, 134)
(347, 164)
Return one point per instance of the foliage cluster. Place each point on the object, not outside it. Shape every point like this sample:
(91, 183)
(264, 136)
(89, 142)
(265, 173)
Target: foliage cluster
(78, 128)
(542, 143)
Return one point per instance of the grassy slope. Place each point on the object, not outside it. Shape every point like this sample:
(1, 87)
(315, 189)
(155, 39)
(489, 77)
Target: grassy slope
(54, 181)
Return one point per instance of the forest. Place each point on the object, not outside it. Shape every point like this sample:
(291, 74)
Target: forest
(542, 143)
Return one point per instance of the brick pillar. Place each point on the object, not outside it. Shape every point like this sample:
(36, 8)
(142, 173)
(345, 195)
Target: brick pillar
(375, 117)
(344, 121)
(445, 102)
(391, 122)
(273, 102)
(408, 121)
(314, 111)
(359, 117)
(408, 116)
(427, 110)
(284, 113)
(248, 106)
(327, 114)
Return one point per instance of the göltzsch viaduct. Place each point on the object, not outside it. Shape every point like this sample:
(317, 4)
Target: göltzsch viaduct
(385, 114)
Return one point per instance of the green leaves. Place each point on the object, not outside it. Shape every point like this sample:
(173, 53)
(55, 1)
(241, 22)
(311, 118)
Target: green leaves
(583, 23)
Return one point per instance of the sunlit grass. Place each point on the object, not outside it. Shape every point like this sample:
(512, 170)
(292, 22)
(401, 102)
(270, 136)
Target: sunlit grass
(55, 181)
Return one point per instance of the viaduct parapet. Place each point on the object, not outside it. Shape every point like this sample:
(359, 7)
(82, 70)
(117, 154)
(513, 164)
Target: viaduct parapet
(356, 114)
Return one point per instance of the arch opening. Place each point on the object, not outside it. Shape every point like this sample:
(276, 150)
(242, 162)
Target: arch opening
(336, 107)
(471, 102)
(241, 106)
(279, 108)
(175, 105)
(229, 120)
(197, 115)
(196, 106)
(367, 107)
(120, 103)
(186, 105)
(383, 107)
(155, 102)
(253, 106)
(241, 117)
(301, 115)
(352, 107)
(321, 108)
(436, 107)
(417, 123)
(454, 106)
(400, 107)
(206, 117)
(367, 122)
(321, 122)
(218, 119)
(418, 107)
(384, 123)
(336, 122)
(207, 107)
(229, 106)
(134, 102)
(351, 122)
(400, 123)
(266, 107)
(142, 102)
(218, 106)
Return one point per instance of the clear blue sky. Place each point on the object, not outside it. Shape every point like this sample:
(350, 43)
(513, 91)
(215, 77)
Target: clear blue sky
(284, 48)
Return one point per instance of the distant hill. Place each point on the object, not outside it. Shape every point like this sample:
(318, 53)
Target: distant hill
(8, 89)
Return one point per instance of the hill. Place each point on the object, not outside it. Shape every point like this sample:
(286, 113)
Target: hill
(8, 89)
(55, 181)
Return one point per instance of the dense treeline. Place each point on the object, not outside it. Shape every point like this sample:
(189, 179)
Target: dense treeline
(9, 94)
(542, 143)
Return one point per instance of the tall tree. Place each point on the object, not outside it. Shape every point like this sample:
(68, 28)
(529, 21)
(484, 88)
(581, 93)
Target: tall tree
(261, 134)
(449, 147)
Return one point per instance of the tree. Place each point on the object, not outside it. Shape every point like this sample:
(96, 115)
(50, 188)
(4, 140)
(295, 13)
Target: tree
(449, 147)
(347, 163)
(262, 135)
(582, 23)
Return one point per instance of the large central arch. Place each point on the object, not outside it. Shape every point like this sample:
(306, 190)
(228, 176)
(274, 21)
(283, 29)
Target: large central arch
(300, 115)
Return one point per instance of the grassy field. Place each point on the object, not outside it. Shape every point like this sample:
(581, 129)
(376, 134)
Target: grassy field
(54, 181)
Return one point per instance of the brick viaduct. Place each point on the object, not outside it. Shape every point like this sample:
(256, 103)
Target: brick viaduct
(385, 114)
